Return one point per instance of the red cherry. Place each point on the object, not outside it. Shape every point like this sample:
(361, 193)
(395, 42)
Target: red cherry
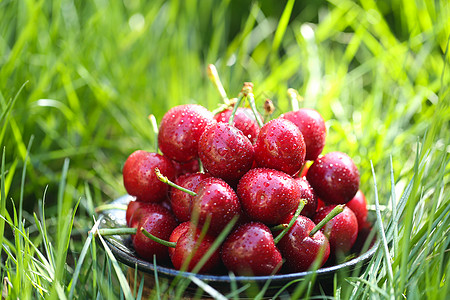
(180, 130)
(312, 126)
(225, 152)
(300, 249)
(181, 202)
(250, 250)
(334, 177)
(186, 167)
(280, 146)
(159, 223)
(216, 201)
(191, 246)
(244, 120)
(359, 207)
(176, 233)
(341, 231)
(309, 195)
(139, 176)
(131, 208)
(268, 195)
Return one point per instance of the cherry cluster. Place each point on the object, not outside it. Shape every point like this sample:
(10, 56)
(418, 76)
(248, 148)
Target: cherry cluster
(267, 185)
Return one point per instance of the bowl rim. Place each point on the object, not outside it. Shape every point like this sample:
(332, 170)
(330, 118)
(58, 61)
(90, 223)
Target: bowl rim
(122, 253)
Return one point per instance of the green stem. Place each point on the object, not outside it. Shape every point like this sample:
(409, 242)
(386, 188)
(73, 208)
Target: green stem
(294, 97)
(104, 207)
(166, 180)
(337, 210)
(301, 205)
(236, 105)
(155, 130)
(157, 239)
(213, 75)
(115, 231)
(251, 100)
(278, 227)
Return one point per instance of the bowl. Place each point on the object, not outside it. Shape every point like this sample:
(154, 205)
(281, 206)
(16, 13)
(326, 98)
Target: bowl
(123, 251)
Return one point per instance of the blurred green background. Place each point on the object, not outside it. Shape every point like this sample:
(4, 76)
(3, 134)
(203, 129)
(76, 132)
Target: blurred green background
(92, 71)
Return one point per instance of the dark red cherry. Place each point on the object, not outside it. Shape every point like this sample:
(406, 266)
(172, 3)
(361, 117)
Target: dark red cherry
(216, 201)
(131, 208)
(268, 195)
(312, 126)
(359, 207)
(225, 152)
(180, 130)
(181, 202)
(176, 233)
(189, 246)
(186, 167)
(250, 250)
(244, 120)
(334, 177)
(341, 231)
(300, 249)
(309, 195)
(139, 177)
(159, 223)
(280, 146)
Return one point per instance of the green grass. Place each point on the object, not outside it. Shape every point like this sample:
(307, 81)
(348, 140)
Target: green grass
(78, 80)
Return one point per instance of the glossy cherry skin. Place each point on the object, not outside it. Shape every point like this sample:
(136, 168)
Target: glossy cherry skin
(244, 120)
(139, 176)
(334, 177)
(309, 195)
(250, 251)
(341, 231)
(216, 201)
(159, 223)
(176, 233)
(280, 146)
(268, 195)
(225, 152)
(180, 130)
(301, 250)
(312, 125)
(131, 208)
(189, 245)
(186, 167)
(181, 202)
(358, 205)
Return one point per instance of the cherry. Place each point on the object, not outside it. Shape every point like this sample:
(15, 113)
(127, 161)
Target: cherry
(191, 246)
(216, 202)
(176, 233)
(250, 250)
(312, 125)
(341, 231)
(334, 177)
(280, 146)
(159, 223)
(307, 193)
(139, 177)
(300, 249)
(186, 167)
(225, 152)
(244, 120)
(268, 195)
(358, 205)
(132, 206)
(180, 201)
(180, 130)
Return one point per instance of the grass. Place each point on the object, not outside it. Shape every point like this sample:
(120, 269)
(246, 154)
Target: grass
(78, 80)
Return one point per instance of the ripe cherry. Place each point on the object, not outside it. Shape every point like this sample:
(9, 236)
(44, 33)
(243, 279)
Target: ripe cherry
(132, 206)
(180, 130)
(341, 231)
(280, 146)
(186, 167)
(225, 152)
(139, 177)
(334, 177)
(358, 205)
(268, 195)
(250, 250)
(300, 249)
(244, 120)
(312, 125)
(307, 193)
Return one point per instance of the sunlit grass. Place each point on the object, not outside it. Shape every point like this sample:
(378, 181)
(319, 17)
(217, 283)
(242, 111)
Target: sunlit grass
(78, 80)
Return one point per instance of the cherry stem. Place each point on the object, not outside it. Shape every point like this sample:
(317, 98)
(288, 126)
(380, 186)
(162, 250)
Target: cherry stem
(166, 180)
(155, 129)
(104, 207)
(301, 205)
(236, 105)
(337, 210)
(295, 98)
(278, 227)
(213, 75)
(157, 239)
(115, 231)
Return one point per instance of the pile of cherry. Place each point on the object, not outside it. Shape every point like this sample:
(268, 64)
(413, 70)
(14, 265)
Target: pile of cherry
(267, 185)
